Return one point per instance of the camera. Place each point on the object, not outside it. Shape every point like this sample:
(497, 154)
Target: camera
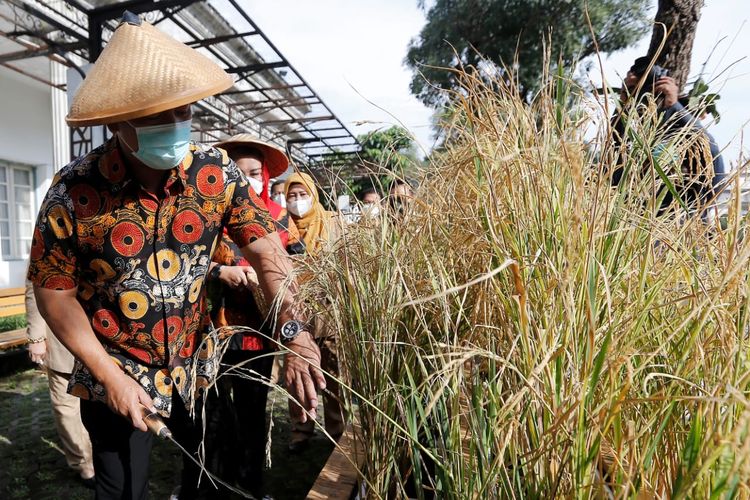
(639, 68)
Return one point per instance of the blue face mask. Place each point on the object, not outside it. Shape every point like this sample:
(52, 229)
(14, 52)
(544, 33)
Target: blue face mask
(162, 147)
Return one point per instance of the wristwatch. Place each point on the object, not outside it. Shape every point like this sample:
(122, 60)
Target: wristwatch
(290, 331)
(213, 274)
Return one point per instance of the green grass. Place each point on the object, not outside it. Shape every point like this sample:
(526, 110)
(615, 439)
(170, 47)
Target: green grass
(12, 323)
(32, 465)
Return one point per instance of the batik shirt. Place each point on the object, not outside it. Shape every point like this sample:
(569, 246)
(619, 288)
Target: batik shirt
(139, 262)
(242, 307)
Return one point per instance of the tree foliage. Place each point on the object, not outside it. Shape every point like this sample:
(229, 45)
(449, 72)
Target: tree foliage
(467, 32)
(391, 149)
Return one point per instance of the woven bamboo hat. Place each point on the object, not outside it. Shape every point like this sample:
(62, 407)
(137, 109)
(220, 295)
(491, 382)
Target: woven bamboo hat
(143, 71)
(274, 157)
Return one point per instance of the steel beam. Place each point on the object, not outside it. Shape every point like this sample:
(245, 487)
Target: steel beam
(340, 127)
(219, 39)
(333, 137)
(299, 101)
(263, 89)
(29, 75)
(41, 52)
(304, 119)
(115, 10)
(254, 68)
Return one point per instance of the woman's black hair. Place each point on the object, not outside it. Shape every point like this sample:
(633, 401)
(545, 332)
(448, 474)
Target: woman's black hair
(243, 151)
(368, 190)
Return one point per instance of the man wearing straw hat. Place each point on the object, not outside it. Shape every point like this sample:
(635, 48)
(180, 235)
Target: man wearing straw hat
(121, 249)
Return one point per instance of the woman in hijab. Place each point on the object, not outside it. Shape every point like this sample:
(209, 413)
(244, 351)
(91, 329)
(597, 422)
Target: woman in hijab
(315, 224)
(237, 411)
(318, 229)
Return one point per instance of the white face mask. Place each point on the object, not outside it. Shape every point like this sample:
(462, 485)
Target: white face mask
(256, 185)
(279, 199)
(371, 209)
(300, 207)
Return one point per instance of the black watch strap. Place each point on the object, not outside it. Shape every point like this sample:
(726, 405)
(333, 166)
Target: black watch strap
(213, 274)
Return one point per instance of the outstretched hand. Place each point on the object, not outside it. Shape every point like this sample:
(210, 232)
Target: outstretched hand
(303, 376)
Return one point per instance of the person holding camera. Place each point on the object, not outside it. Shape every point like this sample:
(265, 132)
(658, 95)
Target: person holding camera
(703, 173)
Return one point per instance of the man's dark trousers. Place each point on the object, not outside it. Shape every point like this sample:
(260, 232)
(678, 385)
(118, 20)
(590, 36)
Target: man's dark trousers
(122, 453)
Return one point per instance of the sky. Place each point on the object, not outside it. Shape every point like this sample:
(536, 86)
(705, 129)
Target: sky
(351, 52)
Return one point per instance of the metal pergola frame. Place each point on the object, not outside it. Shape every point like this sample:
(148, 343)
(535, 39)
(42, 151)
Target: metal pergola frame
(270, 97)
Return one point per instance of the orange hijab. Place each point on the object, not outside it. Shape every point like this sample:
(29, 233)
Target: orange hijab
(313, 226)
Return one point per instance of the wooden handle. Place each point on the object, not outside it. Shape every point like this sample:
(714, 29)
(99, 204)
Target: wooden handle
(155, 423)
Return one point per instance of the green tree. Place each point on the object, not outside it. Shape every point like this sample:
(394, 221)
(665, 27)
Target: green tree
(391, 149)
(501, 32)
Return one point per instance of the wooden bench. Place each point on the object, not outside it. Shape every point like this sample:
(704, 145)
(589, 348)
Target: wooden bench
(339, 478)
(12, 303)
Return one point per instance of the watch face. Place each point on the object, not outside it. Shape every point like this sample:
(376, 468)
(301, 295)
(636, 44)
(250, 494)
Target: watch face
(290, 330)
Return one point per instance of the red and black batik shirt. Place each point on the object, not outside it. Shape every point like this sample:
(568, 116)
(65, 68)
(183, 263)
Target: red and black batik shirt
(139, 262)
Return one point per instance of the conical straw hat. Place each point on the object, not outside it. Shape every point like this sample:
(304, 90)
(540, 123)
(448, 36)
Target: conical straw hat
(141, 72)
(274, 157)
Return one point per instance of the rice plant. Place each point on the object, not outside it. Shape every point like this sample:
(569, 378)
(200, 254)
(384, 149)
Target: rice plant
(526, 330)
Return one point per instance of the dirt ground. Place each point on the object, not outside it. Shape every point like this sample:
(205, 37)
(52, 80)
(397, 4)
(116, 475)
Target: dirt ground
(32, 465)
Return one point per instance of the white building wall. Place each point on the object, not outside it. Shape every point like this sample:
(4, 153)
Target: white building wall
(25, 137)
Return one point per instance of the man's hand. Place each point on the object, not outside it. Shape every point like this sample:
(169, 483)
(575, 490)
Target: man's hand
(67, 319)
(302, 365)
(125, 397)
(303, 376)
(666, 86)
(235, 276)
(38, 352)
(628, 87)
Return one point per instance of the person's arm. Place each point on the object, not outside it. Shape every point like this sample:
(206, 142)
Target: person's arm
(673, 114)
(250, 226)
(678, 116)
(53, 269)
(301, 368)
(36, 329)
(67, 319)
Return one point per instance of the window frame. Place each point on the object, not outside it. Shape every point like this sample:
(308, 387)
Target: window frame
(13, 219)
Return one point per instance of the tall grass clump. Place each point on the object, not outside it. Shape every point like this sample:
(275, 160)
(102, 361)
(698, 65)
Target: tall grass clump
(526, 330)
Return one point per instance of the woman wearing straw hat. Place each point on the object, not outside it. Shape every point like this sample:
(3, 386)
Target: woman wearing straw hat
(240, 402)
(121, 250)
(262, 161)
